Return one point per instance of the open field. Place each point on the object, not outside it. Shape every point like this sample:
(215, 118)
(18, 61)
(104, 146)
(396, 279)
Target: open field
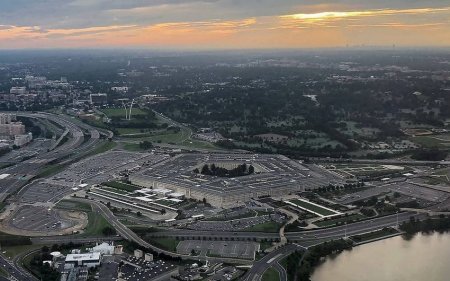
(439, 141)
(271, 275)
(120, 112)
(270, 226)
(168, 244)
(96, 222)
(13, 251)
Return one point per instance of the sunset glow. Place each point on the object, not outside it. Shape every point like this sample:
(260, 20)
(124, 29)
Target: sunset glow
(428, 26)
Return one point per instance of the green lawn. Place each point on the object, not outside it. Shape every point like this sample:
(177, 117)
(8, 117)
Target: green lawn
(50, 170)
(271, 274)
(106, 146)
(169, 244)
(122, 186)
(311, 207)
(270, 226)
(74, 205)
(13, 251)
(430, 142)
(374, 235)
(120, 112)
(330, 222)
(96, 224)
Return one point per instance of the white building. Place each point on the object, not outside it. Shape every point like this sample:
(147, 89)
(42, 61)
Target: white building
(104, 249)
(21, 140)
(18, 90)
(89, 260)
(138, 253)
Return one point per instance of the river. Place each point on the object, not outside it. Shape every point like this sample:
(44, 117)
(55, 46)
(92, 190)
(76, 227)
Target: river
(424, 257)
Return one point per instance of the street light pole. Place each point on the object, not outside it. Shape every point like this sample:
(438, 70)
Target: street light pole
(397, 220)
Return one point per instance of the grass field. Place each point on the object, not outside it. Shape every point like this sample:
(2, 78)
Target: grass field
(121, 186)
(270, 226)
(50, 170)
(13, 251)
(106, 146)
(120, 112)
(431, 141)
(96, 224)
(374, 235)
(168, 244)
(74, 205)
(313, 208)
(330, 222)
(271, 274)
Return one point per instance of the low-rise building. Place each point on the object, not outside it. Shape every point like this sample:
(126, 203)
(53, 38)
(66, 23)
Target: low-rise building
(88, 260)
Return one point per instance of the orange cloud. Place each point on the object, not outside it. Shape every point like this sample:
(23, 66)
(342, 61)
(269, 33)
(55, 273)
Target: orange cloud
(425, 26)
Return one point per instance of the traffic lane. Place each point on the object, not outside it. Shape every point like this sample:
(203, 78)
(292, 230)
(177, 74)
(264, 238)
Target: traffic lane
(357, 226)
(281, 270)
(362, 225)
(13, 271)
(270, 259)
(65, 239)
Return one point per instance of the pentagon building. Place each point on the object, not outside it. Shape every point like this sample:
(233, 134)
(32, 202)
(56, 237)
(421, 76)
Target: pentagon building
(274, 175)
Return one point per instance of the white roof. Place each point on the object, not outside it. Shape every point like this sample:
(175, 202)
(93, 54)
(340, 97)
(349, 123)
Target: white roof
(144, 190)
(81, 257)
(83, 185)
(176, 194)
(161, 190)
(4, 176)
(145, 199)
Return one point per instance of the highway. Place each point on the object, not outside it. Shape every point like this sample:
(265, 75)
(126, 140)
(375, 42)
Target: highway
(49, 240)
(306, 238)
(15, 271)
(271, 259)
(129, 235)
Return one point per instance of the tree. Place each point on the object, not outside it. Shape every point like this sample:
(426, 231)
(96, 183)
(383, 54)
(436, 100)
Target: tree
(108, 231)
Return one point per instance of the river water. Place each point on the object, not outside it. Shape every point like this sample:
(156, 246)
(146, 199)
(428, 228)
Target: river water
(422, 258)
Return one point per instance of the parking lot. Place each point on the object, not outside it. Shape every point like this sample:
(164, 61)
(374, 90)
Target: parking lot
(404, 188)
(106, 166)
(35, 218)
(44, 191)
(229, 249)
(236, 224)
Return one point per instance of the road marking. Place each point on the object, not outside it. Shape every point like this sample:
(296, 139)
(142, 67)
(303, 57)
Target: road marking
(274, 258)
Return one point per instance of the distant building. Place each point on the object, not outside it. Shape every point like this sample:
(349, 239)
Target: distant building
(18, 90)
(276, 138)
(104, 249)
(10, 128)
(21, 140)
(99, 99)
(138, 253)
(120, 89)
(148, 257)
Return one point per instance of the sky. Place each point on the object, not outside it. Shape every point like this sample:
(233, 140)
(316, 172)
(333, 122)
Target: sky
(223, 24)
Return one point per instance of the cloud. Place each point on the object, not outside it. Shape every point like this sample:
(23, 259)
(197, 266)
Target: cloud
(223, 23)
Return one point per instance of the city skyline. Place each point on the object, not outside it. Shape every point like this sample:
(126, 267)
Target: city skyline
(210, 24)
